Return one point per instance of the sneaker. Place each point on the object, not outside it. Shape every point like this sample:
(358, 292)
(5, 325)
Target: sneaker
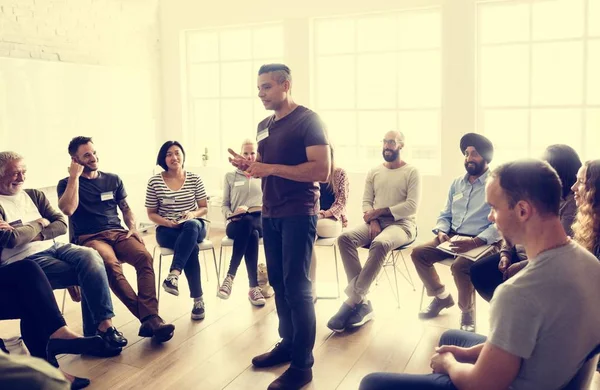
(337, 323)
(436, 306)
(467, 322)
(292, 379)
(171, 284)
(278, 355)
(225, 289)
(198, 310)
(255, 297)
(363, 313)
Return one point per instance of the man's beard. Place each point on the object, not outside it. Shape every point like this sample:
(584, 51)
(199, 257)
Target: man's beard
(392, 157)
(474, 169)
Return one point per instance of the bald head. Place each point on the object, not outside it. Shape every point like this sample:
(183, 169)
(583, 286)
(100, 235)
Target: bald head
(395, 135)
(393, 142)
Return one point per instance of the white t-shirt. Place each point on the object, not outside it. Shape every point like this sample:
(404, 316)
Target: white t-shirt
(548, 314)
(21, 207)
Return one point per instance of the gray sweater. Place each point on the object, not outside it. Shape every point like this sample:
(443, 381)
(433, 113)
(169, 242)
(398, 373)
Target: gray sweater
(240, 190)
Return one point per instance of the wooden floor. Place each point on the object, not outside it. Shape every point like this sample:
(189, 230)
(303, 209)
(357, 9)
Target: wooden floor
(215, 353)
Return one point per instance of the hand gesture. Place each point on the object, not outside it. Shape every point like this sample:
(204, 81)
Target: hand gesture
(75, 169)
(238, 160)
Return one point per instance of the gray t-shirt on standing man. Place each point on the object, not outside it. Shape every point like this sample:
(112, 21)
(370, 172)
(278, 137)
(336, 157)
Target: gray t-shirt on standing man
(548, 314)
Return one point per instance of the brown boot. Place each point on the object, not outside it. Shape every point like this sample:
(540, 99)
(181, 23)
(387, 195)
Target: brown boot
(156, 328)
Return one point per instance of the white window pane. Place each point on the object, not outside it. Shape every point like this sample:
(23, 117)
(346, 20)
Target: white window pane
(592, 135)
(507, 129)
(419, 30)
(557, 19)
(376, 77)
(420, 128)
(335, 82)
(267, 42)
(341, 127)
(203, 46)
(237, 122)
(593, 72)
(205, 132)
(236, 45)
(377, 33)
(504, 76)
(419, 79)
(237, 79)
(506, 154)
(495, 17)
(345, 157)
(372, 127)
(335, 36)
(204, 80)
(594, 17)
(560, 126)
(557, 73)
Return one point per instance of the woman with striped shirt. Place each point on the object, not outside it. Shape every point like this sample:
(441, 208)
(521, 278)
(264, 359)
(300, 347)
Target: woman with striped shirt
(176, 200)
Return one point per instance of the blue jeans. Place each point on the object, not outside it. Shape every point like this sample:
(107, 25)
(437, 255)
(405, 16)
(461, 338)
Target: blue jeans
(72, 265)
(388, 381)
(288, 246)
(184, 242)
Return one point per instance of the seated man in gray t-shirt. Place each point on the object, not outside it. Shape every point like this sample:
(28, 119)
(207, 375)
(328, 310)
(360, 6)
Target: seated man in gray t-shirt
(545, 321)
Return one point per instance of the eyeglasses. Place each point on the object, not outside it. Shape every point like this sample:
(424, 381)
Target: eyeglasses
(391, 142)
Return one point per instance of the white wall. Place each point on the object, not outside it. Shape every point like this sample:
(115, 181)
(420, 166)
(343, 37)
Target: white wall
(118, 37)
(177, 16)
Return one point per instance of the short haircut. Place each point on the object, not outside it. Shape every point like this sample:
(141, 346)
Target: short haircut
(281, 72)
(162, 154)
(6, 158)
(76, 143)
(534, 181)
(565, 161)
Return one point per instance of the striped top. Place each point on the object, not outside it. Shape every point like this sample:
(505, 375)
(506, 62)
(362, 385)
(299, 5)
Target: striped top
(173, 204)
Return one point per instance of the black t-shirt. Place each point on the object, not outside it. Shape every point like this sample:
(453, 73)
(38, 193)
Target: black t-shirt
(98, 201)
(284, 142)
(327, 196)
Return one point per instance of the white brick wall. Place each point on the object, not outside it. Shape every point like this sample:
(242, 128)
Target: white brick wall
(103, 32)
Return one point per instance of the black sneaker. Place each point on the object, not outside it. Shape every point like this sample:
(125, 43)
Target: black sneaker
(436, 306)
(278, 355)
(467, 322)
(171, 284)
(337, 323)
(363, 313)
(292, 379)
(198, 310)
(112, 337)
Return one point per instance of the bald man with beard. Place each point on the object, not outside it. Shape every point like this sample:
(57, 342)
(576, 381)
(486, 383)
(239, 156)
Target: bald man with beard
(390, 201)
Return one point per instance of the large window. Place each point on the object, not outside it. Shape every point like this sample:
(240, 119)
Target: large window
(222, 68)
(380, 72)
(539, 75)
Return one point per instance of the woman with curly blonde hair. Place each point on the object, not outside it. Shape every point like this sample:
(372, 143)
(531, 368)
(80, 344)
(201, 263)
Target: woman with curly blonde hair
(586, 228)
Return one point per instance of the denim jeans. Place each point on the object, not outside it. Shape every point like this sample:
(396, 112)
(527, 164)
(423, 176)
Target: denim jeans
(72, 265)
(246, 233)
(184, 242)
(389, 381)
(288, 246)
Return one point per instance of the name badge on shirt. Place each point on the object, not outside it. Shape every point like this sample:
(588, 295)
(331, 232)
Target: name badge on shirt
(238, 183)
(263, 134)
(458, 196)
(106, 196)
(168, 201)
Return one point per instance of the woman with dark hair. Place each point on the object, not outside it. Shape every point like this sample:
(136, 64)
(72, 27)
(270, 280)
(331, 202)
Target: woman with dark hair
(241, 207)
(176, 201)
(587, 197)
(25, 294)
(488, 273)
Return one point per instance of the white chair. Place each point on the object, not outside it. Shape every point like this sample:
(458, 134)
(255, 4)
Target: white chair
(448, 262)
(204, 246)
(226, 242)
(392, 261)
(331, 242)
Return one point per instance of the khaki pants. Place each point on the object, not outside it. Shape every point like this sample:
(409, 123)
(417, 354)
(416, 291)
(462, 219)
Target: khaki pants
(360, 278)
(425, 256)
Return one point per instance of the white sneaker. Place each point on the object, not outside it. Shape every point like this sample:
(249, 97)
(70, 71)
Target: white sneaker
(198, 312)
(256, 297)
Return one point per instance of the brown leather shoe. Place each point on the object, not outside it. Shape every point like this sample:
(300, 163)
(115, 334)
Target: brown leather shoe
(156, 328)
(292, 379)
